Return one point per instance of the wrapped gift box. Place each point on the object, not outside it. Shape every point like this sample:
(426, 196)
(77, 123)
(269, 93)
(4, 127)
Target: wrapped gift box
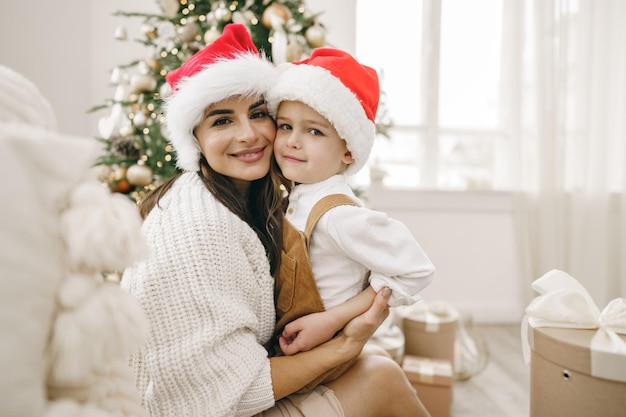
(561, 383)
(577, 353)
(430, 330)
(432, 379)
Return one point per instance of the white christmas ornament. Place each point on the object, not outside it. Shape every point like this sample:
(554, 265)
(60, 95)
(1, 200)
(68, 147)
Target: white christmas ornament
(170, 8)
(279, 46)
(143, 67)
(126, 131)
(120, 33)
(140, 119)
(222, 14)
(211, 35)
(116, 76)
(106, 126)
(121, 93)
(239, 17)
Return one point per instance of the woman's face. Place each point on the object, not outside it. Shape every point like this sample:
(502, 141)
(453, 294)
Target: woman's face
(236, 137)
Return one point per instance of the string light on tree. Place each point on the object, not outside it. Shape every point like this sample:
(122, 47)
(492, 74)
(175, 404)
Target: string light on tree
(137, 155)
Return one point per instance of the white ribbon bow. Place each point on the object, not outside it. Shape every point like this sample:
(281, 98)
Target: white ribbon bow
(563, 302)
(432, 314)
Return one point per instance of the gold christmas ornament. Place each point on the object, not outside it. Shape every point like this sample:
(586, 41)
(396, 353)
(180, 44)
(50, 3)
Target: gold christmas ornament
(273, 11)
(142, 83)
(316, 36)
(103, 172)
(153, 63)
(294, 51)
(189, 31)
(117, 180)
(148, 30)
(139, 175)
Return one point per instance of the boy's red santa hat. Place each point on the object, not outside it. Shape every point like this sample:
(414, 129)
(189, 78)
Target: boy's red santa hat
(229, 66)
(339, 88)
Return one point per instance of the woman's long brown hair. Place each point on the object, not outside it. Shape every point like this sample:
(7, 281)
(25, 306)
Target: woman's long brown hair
(263, 209)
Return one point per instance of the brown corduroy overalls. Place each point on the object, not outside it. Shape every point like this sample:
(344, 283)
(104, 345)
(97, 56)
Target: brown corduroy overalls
(295, 290)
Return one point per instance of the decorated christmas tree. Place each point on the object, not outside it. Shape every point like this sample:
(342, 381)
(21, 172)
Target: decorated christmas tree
(137, 154)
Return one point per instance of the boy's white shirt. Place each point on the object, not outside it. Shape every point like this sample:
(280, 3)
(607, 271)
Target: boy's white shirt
(351, 245)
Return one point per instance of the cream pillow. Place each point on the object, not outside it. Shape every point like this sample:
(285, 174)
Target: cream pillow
(39, 168)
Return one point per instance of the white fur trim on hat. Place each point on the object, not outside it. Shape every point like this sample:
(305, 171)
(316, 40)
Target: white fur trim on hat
(319, 89)
(247, 75)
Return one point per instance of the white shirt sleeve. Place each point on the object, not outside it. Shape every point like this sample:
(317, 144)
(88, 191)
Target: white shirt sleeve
(384, 246)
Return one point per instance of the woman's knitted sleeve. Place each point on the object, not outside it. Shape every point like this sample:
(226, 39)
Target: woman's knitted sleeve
(208, 294)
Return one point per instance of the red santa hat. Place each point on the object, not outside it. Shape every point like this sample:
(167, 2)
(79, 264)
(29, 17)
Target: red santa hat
(339, 88)
(229, 66)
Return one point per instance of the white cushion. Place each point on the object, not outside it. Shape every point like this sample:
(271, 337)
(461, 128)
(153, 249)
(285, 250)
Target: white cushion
(38, 168)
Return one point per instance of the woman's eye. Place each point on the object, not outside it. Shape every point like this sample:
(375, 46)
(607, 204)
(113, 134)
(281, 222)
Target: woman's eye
(221, 121)
(259, 114)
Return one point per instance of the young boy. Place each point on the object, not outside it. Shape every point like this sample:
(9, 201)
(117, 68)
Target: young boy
(325, 108)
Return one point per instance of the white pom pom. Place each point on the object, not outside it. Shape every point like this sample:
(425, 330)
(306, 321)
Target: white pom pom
(102, 230)
(75, 289)
(99, 324)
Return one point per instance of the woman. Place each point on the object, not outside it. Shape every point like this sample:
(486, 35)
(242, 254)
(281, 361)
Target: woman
(207, 287)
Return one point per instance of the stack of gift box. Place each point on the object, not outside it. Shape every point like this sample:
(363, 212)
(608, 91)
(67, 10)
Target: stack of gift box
(577, 353)
(429, 353)
(435, 345)
(422, 339)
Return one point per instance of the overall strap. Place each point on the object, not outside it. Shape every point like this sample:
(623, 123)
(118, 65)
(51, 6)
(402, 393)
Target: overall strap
(321, 207)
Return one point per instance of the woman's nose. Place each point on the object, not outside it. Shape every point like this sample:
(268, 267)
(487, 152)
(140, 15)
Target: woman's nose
(246, 132)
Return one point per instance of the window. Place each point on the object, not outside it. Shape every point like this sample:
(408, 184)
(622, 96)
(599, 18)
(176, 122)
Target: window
(443, 66)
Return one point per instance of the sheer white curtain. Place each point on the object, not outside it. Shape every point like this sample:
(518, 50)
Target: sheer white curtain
(568, 106)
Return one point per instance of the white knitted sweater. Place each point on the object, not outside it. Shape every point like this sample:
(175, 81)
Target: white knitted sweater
(207, 291)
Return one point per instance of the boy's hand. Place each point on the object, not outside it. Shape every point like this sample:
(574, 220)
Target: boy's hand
(307, 332)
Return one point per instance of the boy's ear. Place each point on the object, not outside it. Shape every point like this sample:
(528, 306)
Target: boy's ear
(347, 158)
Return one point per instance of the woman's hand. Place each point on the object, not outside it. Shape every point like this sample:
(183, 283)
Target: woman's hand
(362, 327)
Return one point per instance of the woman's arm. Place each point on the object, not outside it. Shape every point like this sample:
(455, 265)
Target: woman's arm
(290, 373)
(313, 329)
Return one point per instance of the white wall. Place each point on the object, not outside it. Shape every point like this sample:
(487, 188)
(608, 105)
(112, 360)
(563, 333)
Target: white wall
(469, 236)
(68, 48)
(39, 39)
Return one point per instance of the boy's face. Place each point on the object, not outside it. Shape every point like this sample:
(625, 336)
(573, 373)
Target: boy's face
(307, 146)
